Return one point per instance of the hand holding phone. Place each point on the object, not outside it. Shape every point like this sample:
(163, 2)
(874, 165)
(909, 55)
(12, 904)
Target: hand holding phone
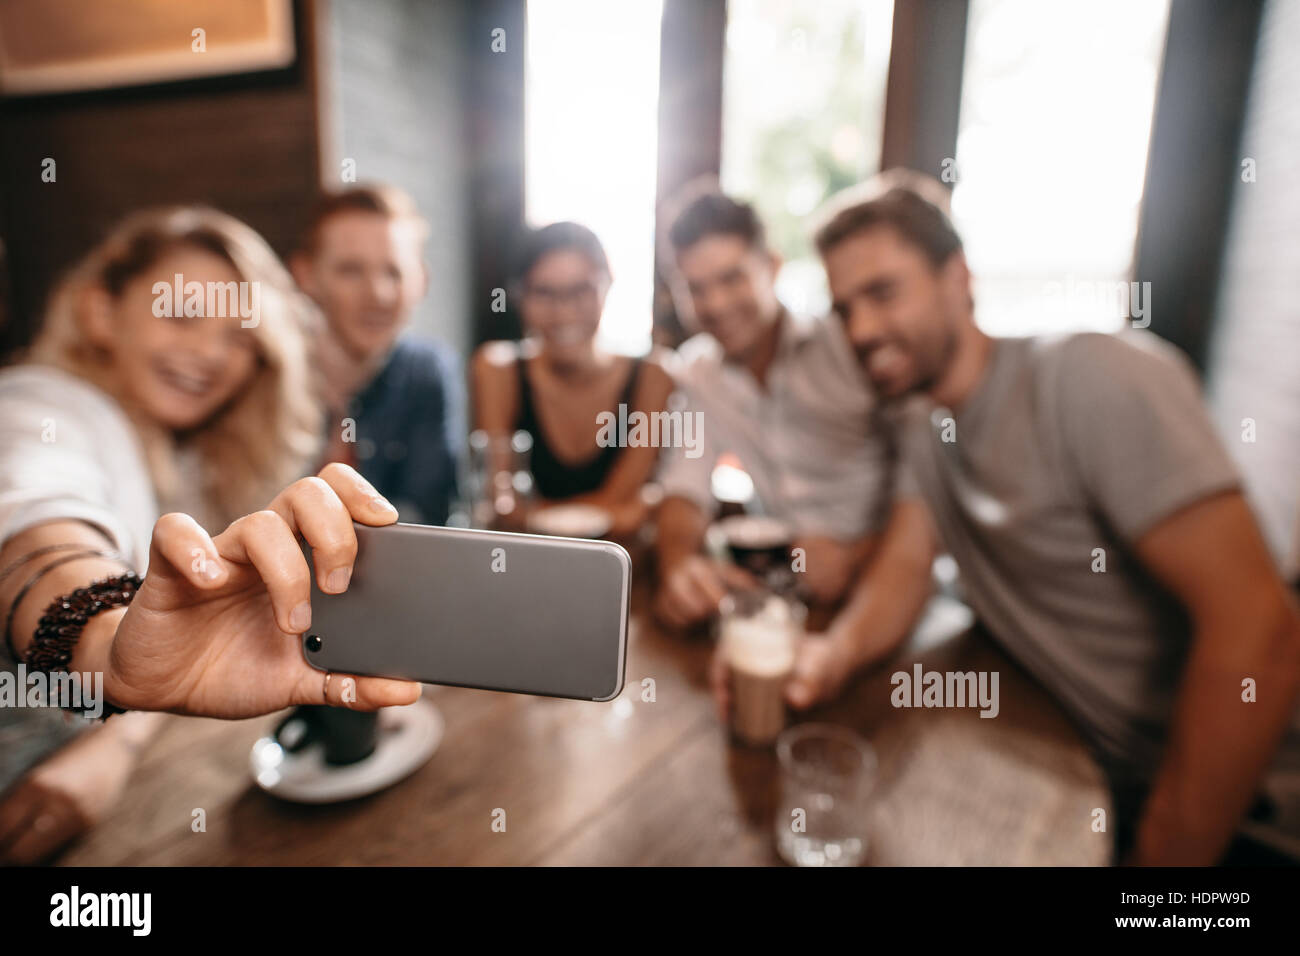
(212, 630)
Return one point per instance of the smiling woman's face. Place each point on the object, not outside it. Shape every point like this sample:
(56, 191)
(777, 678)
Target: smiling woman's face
(179, 370)
(564, 295)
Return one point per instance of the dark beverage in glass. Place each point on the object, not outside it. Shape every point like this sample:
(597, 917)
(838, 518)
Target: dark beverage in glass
(759, 544)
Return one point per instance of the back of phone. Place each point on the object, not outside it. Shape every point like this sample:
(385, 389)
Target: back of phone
(511, 612)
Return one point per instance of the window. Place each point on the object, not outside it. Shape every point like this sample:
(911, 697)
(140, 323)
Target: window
(803, 114)
(1051, 155)
(591, 141)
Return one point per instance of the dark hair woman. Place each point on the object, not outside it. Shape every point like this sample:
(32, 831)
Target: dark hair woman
(557, 383)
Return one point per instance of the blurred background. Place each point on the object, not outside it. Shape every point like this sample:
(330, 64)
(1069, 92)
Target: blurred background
(1089, 145)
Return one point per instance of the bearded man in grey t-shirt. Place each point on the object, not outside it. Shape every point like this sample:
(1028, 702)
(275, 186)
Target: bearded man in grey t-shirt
(1100, 530)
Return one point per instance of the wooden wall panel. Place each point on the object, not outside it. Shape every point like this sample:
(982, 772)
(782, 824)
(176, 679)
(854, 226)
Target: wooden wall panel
(248, 145)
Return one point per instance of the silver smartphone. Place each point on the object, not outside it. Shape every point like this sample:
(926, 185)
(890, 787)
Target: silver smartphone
(522, 613)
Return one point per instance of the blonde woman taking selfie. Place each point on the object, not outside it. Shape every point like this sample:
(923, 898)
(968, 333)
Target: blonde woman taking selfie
(134, 403)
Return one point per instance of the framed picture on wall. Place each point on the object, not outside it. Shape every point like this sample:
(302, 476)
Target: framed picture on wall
(65, 46)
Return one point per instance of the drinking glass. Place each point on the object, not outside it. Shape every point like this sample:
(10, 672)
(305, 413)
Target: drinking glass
(827, 775)
(500, 482)
(757, 633)
(762, 546)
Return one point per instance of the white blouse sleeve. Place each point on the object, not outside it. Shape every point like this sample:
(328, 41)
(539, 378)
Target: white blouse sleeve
(68, 452)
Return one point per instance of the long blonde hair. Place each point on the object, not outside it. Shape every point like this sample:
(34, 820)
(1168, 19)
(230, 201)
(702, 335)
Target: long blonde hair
(269, 432)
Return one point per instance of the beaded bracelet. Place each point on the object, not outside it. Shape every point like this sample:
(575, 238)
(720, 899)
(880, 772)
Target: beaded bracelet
(31, 582)
(60, 627)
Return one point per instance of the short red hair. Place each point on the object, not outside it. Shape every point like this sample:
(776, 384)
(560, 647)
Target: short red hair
(392, 203)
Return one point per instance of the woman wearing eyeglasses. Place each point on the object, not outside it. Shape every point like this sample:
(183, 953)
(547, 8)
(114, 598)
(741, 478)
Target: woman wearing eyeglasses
(562, 388)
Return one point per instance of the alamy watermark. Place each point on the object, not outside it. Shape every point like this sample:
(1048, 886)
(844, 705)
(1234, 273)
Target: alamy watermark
(69, 690)
(1075, 299)
(675, 428)
(951, 689)
(208, 300)
(132, 911)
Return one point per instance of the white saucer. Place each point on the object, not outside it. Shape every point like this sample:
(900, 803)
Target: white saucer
(408, 737)
(571, 521)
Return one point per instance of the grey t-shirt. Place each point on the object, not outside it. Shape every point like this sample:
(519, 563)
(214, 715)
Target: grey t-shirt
(1071, 448)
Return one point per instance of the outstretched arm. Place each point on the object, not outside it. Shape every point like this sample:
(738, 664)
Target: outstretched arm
(212, 630)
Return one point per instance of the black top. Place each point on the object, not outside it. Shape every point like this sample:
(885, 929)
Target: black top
(556, 479)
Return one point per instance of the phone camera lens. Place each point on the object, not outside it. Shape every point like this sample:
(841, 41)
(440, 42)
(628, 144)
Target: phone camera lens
(313, 642)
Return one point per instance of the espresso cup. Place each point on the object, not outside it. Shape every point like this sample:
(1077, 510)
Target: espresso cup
(346, 736)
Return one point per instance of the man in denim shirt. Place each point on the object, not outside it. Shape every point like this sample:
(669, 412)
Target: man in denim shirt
(407, 425)
(394, 400)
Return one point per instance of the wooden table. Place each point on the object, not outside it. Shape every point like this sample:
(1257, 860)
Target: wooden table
(634, 781)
